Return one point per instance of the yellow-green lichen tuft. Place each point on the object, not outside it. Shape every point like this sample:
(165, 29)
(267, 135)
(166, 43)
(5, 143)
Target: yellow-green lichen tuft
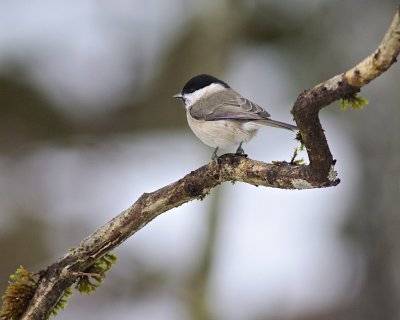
(353, 101)
(93, 276)
(295, 161)
(202, 196)
(20, 290)
(62, 303)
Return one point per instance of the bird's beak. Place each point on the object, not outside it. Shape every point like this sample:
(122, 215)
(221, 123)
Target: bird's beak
(178, 95)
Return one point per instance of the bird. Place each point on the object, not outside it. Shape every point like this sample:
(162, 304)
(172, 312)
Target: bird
(220, 117)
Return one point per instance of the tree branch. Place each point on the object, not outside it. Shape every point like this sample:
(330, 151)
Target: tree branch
(310, 102)
(319, 173)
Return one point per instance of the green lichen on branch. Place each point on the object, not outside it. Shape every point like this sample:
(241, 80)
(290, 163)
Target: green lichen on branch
(353, 101)
(202, 196)
(21, 288)
(62, 303)
(89, 280)
(93, 276)
(295, 161)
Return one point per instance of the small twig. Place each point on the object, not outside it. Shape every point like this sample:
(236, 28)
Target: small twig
(87, 274)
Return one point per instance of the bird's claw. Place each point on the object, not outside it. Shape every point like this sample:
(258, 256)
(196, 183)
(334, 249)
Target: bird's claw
(240, 151)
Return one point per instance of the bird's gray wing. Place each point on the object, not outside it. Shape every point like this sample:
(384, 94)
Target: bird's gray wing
(227, 105)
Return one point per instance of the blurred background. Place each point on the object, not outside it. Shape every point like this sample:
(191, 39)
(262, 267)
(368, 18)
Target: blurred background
(87, 124)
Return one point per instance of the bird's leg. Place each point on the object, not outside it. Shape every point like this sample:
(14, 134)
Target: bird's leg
(239, 150)
(214, 155)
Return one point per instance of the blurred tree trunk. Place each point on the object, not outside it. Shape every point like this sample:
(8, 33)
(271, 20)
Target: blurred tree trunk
(375, 221)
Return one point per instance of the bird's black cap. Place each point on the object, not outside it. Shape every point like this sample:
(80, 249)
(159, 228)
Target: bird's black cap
(201, 81)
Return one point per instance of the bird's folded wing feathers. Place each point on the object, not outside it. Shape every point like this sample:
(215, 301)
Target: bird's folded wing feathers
(227, 105)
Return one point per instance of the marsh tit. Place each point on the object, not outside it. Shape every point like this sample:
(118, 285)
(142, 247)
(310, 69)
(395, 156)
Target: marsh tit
(220, 117)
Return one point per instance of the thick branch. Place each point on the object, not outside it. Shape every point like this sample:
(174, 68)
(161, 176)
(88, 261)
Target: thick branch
(195, 185)
(62, 274)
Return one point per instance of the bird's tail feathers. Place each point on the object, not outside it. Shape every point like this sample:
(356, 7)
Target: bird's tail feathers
(277, 124)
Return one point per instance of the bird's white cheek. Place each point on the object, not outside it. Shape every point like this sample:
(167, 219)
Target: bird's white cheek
(192, 98)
